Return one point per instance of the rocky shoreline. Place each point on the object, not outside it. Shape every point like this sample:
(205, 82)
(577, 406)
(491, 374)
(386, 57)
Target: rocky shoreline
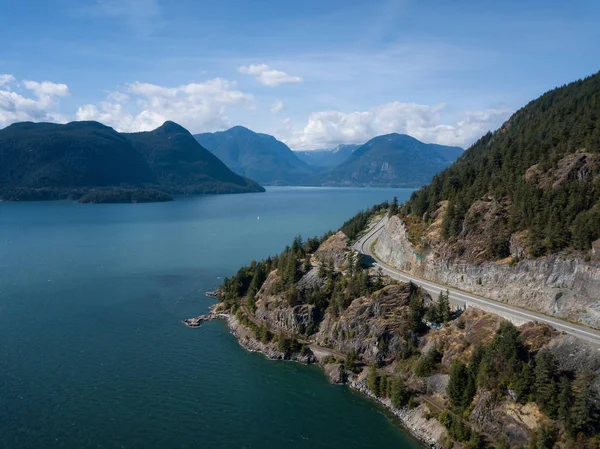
(414, 421)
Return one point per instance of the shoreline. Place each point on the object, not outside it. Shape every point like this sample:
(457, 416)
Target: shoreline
(413, 421)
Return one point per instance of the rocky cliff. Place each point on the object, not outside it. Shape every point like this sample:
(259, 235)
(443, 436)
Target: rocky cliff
(370, 332)
(564, 285)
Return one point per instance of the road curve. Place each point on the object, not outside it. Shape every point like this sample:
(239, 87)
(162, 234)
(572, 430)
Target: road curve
(463, 299)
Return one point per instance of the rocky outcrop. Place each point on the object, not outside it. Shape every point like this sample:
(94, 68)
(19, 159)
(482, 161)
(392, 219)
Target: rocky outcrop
(563, 285)
(372, 326)
(505, 419)
(333, 251)
(416, 420)
(246, 338)
(335, 373)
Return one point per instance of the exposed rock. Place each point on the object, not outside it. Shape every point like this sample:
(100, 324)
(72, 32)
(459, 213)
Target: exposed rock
(579, 166)
(415, 420)
(563, 285)
(459, 338)
(336, 373)
(574, 355)
(294, 320)
(373, 327)
(437, 384)
(536, 335)
(311, 281)
(246, 338)
(505, 419)
(334, 250)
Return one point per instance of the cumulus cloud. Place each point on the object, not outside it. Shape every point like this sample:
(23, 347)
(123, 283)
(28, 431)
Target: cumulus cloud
(47, 88)
(268, 76)
(6, 79)
(17, 105)
(145, 106)
(277, 106)
(424, 122)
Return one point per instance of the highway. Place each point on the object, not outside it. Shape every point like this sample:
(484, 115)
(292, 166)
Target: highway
(460, 298)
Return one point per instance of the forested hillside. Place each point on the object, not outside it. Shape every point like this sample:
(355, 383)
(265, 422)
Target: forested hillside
(258, 156)
(540, 171)
(483, 381)
(392, 160)
(41, 161)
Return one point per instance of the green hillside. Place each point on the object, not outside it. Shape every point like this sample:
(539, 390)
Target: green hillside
(392, 160)
(258, 156)
(541, 168)
(50, 161)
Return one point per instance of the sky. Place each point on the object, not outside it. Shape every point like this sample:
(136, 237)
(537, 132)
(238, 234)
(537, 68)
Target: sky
(313, 73)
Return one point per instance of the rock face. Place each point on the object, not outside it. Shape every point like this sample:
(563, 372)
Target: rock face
(336, 373)
(373, 326)
(247, 339)
(415, 420)
(505, 419)
(562, 285)
(333, 251)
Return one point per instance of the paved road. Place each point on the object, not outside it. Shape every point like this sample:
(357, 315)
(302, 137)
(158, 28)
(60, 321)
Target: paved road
(464, 299)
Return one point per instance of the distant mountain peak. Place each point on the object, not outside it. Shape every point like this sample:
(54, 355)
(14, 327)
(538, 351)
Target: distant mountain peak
(239, 129)
(170, 127)
(256, 155)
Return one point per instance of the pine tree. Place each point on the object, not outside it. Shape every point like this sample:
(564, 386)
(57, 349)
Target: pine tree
(457, 384)
(394, 207)
(373, 381)
(545, 382)
(399, 393)
(583, 411)
(565, 399)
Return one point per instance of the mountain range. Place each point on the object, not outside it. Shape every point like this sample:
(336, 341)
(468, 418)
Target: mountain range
(391, 160)
(327, 158)
(257, 156)
(51, 161)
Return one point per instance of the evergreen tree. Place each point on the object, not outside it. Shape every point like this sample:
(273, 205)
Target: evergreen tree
(545, 382)
(399, 393)
(373, 379)
(394, 207)
(457, 384)
(584, 414)
(565, 399)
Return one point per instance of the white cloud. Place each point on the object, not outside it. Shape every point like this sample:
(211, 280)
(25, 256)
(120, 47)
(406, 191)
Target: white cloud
(330, 128)
(277, 106)
(6, 79)
(18, 106)
(47, 88)
(196, 106)
(268, 76)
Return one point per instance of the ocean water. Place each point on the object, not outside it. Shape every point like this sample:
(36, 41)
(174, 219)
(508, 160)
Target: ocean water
(92, 350)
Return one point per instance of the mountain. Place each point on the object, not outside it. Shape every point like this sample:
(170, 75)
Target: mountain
(258, 156)
(328, 158)
(181, 165)
(540, 172)
(392, 160)
(517, 217)
(50, 161)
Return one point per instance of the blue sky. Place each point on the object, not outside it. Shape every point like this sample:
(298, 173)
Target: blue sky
(312, 73)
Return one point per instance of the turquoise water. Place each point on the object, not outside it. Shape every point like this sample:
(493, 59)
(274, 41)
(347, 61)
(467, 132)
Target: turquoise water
(92, 350)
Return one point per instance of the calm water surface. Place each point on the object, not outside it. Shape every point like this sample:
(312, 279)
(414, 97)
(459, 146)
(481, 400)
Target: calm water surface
(92, 350)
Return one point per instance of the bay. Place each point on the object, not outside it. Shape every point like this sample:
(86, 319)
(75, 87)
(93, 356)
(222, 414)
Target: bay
(92, 350)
